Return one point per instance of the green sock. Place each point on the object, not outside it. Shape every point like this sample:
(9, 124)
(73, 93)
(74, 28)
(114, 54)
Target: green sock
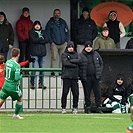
(18, 107)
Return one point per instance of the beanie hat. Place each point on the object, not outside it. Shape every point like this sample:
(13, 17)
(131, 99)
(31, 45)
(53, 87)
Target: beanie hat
(105, 28)
(85, 9)
(120, 77)
(70, 44)
(25, 9)
(37, 22)
(2, 13)
(88, 44)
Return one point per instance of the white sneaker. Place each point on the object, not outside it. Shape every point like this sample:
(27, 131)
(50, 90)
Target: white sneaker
(74, 111)
(17, 117)
(63, 111)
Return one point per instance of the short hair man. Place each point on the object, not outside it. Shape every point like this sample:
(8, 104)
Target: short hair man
(58, 35)
(11, 87)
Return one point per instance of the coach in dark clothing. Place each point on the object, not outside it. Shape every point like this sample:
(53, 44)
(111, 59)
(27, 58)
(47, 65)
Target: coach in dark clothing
(70, 76)
(90, 72)
(85, 30)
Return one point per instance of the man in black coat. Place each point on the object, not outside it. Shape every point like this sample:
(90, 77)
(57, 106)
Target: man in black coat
(70, 76)
(85, 30)
(90, 72)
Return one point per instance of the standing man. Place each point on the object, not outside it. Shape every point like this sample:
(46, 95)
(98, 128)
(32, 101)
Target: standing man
(23, 26)
(85, 30)
(116, 28)
(11, 84)
(58, 35)
(6, 35)
(90, 72)
(69, 76)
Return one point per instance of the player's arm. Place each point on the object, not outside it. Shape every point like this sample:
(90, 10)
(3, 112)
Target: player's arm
(24, 63)
(18, 76)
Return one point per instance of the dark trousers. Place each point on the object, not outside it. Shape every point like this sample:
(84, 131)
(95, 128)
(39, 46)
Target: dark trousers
(92, 84)
(67, 84)
(24, 52)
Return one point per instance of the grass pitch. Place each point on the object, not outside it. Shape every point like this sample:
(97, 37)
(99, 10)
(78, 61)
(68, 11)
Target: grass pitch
(64, 123)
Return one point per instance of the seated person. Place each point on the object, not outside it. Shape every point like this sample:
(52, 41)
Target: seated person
(117, 95)
(129, 44)
(104, 41)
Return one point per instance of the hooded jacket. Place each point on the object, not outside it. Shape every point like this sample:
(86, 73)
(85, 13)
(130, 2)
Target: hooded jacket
(116, 28)
(23, 26)
(70, 63)
(37, 42)
(6, 34)
(116, 89)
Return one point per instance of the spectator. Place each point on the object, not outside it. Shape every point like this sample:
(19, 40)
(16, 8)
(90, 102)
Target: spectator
(58, 36)
(6, 35)
(129, 44)
(70, 77)
(11, 84)
(85, 30)
(117, 95)
(23, 26)
(90, 72)
(116, 28)
(37, 51)
(104, 41)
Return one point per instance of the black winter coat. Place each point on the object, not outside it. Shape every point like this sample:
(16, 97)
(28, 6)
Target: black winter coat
(6, 35)
(118, 90)
(70, 63)
(37, 45)
(85, 30)
(98, 62)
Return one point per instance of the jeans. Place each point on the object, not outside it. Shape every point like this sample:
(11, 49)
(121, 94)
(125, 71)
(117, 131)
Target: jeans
(39, 63)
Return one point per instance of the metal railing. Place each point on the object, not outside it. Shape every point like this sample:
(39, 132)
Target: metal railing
(43, 99)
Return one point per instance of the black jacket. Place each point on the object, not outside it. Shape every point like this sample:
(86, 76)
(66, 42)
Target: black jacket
(85, 30)
(118, 90)
(83, 65)
(70, 63)
(37, 45)
(6, 35)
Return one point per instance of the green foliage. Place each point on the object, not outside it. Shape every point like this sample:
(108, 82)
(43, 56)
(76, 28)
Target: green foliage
(65, 123)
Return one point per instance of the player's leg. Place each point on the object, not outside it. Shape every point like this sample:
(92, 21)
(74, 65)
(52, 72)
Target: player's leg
(1, 102)
(131, 110)
(18, 108)
(3, 96)
(17, 95)
(130, 128)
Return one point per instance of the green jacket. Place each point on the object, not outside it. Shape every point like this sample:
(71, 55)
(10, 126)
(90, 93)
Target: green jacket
(104, 43)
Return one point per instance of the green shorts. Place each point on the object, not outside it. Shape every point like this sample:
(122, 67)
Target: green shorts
(11, 90)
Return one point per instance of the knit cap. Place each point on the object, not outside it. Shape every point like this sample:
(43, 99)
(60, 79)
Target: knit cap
(85, 9)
